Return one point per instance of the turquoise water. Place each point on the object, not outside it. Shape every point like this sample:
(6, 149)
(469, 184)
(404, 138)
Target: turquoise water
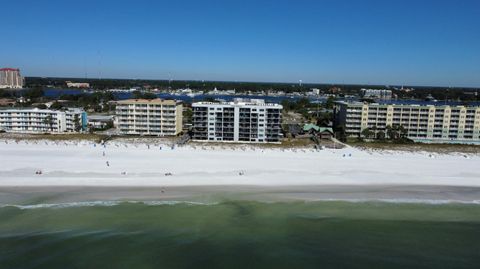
(241, 234)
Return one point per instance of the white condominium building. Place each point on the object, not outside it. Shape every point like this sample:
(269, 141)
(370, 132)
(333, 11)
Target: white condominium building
(238, 121)
(43, 120)
(149, 117)
(422, 123)
(10, 78)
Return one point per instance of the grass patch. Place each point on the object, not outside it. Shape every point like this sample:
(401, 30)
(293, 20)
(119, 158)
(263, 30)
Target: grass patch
(436, 148)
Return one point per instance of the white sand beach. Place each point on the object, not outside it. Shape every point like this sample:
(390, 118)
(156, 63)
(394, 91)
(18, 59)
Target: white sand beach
(84, 163)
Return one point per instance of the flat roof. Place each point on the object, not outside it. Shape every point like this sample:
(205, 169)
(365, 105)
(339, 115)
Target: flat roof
(147, 101)
(410, 104)
(34, 109)
(239, 102)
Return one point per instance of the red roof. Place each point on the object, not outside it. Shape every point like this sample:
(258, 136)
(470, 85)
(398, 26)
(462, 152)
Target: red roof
(9, 69)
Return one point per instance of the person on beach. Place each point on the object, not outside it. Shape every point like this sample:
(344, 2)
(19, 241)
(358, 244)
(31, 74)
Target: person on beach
(103, 153)
(108, 164)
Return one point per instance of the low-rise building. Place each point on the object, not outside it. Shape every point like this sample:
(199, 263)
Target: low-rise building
(376, 94)
(100, 122)
(422, 123)
(149, 117)
(250, 120)
(77, 84)
(43, 120)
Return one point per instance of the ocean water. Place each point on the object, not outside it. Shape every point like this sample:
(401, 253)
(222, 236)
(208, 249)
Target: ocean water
(240, 234)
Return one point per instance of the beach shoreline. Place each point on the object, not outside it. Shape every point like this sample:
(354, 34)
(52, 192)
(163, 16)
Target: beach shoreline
(129, 171)
(64, 195)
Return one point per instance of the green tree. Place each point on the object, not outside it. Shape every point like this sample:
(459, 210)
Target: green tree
(187, 115)
(330, 102)
(367, 133)
(77, 124)
(56, 105)
(381, 135)
(49, 121)
(33, 93)
(340, 133)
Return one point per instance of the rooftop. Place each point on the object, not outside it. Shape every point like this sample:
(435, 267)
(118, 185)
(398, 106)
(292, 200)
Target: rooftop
(34, 109)
(414, 103)
(240, 102)
(9, 69)
(147, 101)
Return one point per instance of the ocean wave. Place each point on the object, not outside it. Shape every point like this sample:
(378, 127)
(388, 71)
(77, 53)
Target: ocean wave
(401, 201)
(193, 203)
(103, 203)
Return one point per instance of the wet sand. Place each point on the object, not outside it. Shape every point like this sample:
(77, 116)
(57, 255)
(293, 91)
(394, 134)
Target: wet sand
(212, 194)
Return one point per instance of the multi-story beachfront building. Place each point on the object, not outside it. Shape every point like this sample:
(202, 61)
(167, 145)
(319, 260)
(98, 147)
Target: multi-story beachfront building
(43, 120)
(238, 121)
(11, 78)
(422, 123)
(149, 117)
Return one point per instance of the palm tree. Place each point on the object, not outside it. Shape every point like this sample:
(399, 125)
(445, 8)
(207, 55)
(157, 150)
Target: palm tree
(381, 135)
(367, 133)
(392, 132)
(403, 132)
(76, 121)
(49, 121)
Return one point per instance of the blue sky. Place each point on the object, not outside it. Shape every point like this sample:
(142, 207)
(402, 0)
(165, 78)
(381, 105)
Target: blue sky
(373, 42)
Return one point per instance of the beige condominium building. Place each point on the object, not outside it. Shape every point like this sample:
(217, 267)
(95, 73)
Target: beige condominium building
(423, 123)
(157, 117)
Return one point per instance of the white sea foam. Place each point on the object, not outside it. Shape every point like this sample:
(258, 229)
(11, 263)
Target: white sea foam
(174, 202)
(102, 203)
(402, 201)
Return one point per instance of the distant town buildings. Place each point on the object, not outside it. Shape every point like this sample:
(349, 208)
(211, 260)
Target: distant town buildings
(376, 94)
(315, 91)
(77, 84)
(149, 117)
(423, 123)
(43, 120)
(243, 120)
(10, 78)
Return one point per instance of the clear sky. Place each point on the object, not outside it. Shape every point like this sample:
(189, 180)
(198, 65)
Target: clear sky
(393, 42)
